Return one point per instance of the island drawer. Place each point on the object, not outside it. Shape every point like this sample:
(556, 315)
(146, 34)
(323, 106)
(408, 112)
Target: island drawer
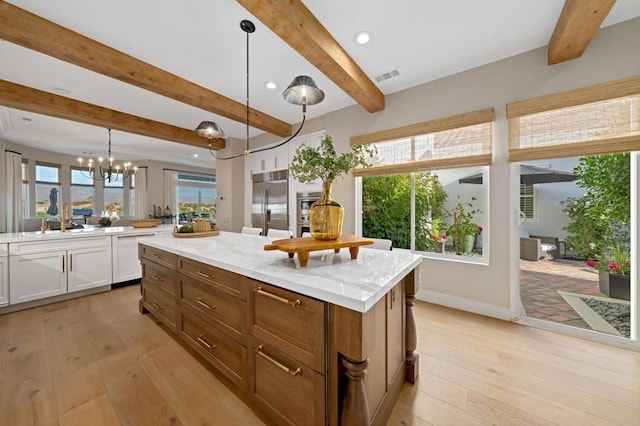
(286, 390)
(160, 305)
(291, 322)
(160, 277)
(228, 356)
(227, 312)
(161, 257)
(225, 281)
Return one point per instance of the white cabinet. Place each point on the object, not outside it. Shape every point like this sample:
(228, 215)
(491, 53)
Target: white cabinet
(89, 267)
(4, 275)
(269, 160)
(126, 265)
(48, 268)
(36, 276)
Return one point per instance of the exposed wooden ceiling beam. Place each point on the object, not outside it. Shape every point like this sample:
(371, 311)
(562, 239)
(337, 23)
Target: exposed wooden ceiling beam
(296, 25)
(28, 99)
(579, 21)
(28, 30)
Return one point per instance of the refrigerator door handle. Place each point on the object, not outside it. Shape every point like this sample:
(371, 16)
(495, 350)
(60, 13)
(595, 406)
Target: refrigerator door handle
(264, 212)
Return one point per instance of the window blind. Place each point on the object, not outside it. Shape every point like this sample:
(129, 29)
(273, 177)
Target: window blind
(594, 120)
(457, 141)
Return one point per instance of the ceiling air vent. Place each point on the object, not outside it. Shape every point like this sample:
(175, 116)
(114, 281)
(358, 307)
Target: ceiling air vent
(387, 75)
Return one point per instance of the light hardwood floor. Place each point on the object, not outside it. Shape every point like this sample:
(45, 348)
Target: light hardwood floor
(97, 361)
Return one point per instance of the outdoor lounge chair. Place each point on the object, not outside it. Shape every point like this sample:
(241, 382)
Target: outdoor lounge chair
(535, 247)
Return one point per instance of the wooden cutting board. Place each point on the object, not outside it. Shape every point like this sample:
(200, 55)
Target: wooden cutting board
(303, 246)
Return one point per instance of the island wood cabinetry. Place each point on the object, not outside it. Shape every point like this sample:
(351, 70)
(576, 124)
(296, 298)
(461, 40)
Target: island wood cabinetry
(49, 268)
(4, 275)
(297, 359)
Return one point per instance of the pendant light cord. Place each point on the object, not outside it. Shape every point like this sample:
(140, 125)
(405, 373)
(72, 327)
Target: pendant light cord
(247, 150)
(248, 27)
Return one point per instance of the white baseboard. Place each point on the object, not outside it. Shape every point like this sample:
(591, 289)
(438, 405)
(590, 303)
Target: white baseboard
(494, 311)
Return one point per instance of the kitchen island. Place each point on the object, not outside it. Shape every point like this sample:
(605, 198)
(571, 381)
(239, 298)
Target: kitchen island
(330, 343)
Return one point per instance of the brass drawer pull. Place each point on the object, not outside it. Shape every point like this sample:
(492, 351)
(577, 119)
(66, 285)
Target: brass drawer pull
(155, 305)
(282, 367)
(205, 304)
(159, 256)
(205, 343)
(157, 278)
(260, 291)
(205, 275)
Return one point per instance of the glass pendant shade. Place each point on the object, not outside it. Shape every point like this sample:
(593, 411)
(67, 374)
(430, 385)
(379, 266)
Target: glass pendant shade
(209, 129)
(303, 91)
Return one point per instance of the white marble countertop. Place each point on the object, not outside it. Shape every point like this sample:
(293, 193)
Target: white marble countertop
(88, 231)
(355, 284)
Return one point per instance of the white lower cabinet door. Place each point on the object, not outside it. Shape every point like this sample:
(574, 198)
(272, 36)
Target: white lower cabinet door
(36, 276)
(88, 268)
(4, 281)
(126, 265)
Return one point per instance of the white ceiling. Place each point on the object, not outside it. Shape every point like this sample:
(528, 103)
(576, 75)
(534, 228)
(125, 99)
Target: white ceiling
(201, 41)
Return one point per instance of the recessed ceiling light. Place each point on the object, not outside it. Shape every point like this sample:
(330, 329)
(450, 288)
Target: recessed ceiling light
(195, 155)
(270, 85)
(362, 37)
(60, 90)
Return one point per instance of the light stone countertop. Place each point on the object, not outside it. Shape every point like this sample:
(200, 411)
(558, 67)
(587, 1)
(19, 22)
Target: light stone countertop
(87, 232)
(355, 284)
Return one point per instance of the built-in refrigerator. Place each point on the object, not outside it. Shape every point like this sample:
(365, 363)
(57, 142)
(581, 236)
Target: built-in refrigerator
(270, 207)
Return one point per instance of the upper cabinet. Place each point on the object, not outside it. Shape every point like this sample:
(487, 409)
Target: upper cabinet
(269, 160)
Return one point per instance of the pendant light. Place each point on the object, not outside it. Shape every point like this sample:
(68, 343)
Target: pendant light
(302, 91)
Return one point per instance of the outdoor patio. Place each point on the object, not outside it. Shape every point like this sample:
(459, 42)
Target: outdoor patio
(541, 281)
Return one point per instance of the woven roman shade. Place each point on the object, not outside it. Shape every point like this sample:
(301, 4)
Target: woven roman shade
(599, 119)
(450, 142)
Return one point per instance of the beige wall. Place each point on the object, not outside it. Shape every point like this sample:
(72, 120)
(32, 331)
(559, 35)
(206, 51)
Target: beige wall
(613, 54)
(230, 203)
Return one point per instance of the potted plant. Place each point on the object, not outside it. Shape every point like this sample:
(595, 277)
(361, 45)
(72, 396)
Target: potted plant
(614, 268)
(463, 229)
(310, 164)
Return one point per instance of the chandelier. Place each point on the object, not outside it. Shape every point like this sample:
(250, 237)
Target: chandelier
(302, 91)
(111, 172)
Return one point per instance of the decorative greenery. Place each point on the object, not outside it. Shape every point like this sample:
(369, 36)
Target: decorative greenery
(614, 260)
(104, 222)
(600, 219)
(386, 208)
(462, 225)
(310, 164)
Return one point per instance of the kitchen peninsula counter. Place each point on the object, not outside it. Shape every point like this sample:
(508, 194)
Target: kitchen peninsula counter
(88, 232)
(329, 343)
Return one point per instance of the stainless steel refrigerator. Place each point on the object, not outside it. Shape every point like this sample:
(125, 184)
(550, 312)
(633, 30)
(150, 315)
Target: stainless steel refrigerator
(270, 207)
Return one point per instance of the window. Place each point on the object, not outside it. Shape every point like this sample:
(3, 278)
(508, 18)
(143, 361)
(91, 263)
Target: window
(196, 195)
(419, 194)
(47, 190)
(114, 194)
(528, 201)
(82, 193)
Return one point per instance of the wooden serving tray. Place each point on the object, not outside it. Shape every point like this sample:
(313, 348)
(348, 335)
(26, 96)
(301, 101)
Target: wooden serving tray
(303, 246)
(144, 223)
(211, 233)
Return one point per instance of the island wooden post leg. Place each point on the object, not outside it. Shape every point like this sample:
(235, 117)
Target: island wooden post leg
(355, 407)
(412, 359)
